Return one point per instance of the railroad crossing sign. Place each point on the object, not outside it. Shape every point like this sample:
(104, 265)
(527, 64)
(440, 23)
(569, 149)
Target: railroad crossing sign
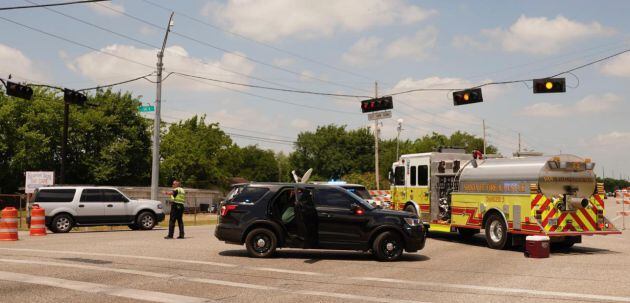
(146, 108)
(379, 115)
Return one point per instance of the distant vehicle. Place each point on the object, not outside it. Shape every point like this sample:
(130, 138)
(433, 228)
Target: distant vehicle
(70, 206)
(267, 216)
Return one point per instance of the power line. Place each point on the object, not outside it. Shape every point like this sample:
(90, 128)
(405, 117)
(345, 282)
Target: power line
(269, 88)
(119, 83)
(74, 42)
(258, 41)
(232, 52)
(51, 4)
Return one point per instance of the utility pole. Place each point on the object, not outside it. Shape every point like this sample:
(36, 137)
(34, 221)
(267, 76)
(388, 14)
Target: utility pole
(155, 165)
(64, 143)
(519, 143)
(376, 173)
(399, 129)
(483, 122)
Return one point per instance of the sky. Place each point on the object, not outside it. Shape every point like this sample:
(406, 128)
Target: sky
(344, 47)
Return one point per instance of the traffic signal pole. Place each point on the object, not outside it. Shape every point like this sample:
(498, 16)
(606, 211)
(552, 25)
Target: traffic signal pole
(376, 172)
(155, 165)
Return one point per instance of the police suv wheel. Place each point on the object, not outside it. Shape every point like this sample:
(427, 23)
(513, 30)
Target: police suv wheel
(388, 246)
(261, 243)
(496, 232)
(62, 223)
(146, 221)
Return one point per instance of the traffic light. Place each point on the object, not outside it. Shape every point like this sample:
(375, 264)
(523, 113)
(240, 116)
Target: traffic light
(549, 85)
(19, 90)
(468, 96)
(378, 104)
(73, 97)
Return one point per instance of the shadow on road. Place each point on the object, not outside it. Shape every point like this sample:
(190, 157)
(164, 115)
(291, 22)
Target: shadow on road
(314, 256)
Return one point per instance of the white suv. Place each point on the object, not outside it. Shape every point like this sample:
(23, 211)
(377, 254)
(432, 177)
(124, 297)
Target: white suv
(71, 206)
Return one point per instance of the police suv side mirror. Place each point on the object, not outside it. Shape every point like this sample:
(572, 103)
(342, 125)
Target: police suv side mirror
(356, 209)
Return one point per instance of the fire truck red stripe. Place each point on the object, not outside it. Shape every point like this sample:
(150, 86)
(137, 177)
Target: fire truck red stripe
(544, 206)
(560, 219)
(588, 218)
(569, 227)
(579, 221)
(535, 201)
(599, 200)
(549, 215)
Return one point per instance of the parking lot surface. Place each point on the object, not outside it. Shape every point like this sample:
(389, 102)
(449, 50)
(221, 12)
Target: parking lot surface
(133, 266)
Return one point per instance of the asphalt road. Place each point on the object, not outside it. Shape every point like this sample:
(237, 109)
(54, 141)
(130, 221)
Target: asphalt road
(133, 266)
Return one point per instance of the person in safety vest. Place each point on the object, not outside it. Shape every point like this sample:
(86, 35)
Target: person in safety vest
(177, 200)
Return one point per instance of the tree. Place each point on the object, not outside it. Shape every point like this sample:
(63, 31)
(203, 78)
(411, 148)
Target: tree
(107, 144)
(332, 151)
(199, 154)
(257, 164)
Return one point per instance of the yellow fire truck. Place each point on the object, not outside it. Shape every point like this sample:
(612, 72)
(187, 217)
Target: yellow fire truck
(452, 191)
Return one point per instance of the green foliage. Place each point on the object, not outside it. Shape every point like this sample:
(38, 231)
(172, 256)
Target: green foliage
(107, 144)
(611, 184)
(332, 151)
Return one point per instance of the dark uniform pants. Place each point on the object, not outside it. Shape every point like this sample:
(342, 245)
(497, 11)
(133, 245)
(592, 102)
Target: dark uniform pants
(177, 213)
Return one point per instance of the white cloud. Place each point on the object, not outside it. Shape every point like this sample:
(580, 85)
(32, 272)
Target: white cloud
(414, 47)
(13, 61)
(363, 52)
(102, 68)
(271, 20)
(618, 66)
(591, 104)
(103, 8)
(614, 137)
(146, 30)
(536, 35)
(300, 124)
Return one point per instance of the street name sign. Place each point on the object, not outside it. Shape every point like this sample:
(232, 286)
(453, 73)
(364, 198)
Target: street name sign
(379, 115)
(146, 109)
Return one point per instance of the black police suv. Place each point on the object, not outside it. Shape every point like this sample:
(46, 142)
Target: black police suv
(266, 216)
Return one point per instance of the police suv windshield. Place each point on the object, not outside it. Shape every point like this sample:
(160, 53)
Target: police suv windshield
(360, 200)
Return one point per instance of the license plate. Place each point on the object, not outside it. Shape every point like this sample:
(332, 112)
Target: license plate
(553, 221)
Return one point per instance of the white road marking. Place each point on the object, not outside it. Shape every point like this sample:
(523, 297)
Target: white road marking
(503, 289)
(287, 271)
(209, 281)
(130, 293)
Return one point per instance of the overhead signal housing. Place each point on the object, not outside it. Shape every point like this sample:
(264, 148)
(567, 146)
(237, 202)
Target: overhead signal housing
(19, 91)
(74, 97)
(549, 85)
(467, 96)
(377, 104)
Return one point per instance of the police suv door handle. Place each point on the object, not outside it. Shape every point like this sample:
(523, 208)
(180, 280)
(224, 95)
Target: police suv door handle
(327, 215)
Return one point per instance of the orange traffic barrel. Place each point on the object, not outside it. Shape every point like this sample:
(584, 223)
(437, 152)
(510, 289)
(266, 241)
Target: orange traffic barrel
(38, 221)
(9, 224)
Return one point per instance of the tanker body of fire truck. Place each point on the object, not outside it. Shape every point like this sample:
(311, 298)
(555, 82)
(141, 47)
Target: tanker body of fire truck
(508, 198)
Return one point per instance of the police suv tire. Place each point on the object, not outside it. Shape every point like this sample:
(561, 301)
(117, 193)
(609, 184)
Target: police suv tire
(497, 232)
(388, 246)
(62, 223)
(261, 243)
(145, 220)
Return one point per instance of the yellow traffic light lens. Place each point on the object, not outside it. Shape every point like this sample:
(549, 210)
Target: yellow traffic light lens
(549, 85)
(466, 97)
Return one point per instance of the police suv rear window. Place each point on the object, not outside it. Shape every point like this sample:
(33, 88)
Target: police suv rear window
(55, 195)
(246, 194)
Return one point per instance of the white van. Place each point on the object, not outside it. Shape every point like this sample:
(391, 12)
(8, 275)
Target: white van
(70, 206)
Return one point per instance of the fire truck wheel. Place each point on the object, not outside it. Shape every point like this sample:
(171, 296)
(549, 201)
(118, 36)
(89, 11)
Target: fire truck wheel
(388, 246)
(496, 232)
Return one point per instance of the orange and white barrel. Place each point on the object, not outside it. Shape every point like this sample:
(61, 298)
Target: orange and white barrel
(9, 224)
(38, 221)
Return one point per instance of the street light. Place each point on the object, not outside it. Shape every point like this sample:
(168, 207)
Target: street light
(399, 129)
